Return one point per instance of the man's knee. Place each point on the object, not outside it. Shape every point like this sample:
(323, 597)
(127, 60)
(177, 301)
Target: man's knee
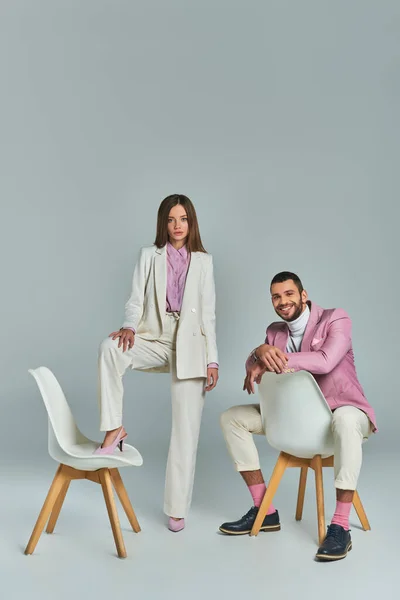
(346, 420)
(246, 417)
(230, 417)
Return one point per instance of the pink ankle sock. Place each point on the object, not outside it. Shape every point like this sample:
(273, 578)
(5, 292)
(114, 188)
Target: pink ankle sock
(257, 491)
(342, 513)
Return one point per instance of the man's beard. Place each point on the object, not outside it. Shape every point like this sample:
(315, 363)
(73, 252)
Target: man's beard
(298, 310)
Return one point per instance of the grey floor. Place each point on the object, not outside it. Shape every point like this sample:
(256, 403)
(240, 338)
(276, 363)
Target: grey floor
(79, 559)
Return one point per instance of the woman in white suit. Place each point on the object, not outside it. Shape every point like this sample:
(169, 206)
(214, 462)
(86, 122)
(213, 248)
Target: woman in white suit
(169, 327)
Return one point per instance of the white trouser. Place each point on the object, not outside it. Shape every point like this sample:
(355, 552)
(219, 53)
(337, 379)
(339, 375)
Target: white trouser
(350, 427)
(187, 406)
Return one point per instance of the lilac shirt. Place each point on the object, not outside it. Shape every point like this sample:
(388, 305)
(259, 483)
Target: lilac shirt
(177, 267)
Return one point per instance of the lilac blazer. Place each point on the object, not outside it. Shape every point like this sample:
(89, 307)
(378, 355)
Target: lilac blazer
(327, 353)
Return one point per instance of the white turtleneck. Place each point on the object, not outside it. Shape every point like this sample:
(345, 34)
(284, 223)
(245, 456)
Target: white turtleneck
(296, 331)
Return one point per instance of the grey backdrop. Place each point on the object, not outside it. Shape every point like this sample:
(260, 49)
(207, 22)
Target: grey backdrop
(279, 119)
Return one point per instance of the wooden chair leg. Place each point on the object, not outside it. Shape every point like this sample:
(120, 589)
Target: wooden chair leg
(302, 491)
(53, 493)
(273, 485)
(57, 507)
(124, 499)
(361, 512)
(319, 488)
(105, 479)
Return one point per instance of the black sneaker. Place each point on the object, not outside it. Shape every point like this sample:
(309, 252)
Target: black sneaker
(336, 545)
(245, 524)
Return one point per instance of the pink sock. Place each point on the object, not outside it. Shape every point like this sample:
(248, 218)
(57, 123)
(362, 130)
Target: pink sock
(342, 513)
(257, 491)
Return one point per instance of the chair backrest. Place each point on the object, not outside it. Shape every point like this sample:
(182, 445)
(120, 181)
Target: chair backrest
(62, 427)
(296, 417)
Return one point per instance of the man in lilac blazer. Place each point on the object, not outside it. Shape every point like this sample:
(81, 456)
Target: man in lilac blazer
(317, 340)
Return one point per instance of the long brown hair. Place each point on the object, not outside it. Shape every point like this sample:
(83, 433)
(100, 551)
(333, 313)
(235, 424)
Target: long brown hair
(193, 243)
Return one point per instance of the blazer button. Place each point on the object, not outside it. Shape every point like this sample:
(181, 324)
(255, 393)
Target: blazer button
(193, 310)
(194, 333)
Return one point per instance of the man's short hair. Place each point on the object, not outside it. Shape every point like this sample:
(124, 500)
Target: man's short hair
(285, 276)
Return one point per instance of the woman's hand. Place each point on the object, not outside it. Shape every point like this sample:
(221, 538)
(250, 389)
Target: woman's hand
(254, 374)
(212, 378)
(126, 338)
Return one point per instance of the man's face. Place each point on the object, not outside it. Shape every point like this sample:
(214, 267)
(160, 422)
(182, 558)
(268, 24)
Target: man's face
(287, 300)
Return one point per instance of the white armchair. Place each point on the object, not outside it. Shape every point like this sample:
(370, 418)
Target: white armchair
(74, 453)
(297, 421)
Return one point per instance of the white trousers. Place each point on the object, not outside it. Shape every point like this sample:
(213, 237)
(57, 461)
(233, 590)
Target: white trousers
(187, 406)
(350, 427)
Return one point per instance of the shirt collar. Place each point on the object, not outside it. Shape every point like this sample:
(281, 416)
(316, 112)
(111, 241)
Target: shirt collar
(182, 252)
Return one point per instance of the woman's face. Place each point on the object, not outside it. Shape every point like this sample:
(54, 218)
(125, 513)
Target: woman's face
(178, 228)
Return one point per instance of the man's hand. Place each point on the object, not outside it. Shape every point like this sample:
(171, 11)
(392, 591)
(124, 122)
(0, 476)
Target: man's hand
(212, 378)
(126, 338)
(254, 374)
(272, 358)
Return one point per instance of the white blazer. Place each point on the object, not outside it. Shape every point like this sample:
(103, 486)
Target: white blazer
(196, 345)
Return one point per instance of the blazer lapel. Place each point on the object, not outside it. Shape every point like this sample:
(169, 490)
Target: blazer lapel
(192, 276)
(314, 318)
(281, 338)
(160, 268)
